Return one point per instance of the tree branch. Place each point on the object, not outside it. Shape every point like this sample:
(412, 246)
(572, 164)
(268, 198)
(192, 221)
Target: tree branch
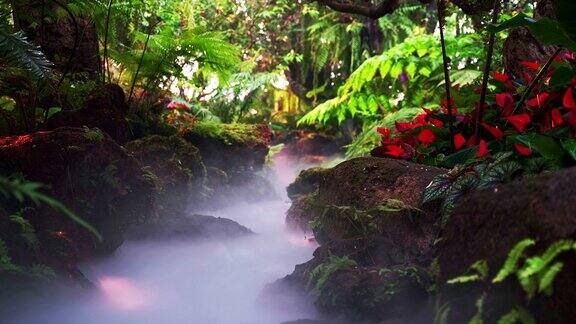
(363, 8)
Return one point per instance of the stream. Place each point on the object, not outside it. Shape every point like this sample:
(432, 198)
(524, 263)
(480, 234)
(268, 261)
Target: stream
(217, 281)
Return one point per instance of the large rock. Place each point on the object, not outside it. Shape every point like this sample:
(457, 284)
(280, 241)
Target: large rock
(105, 108)
(234, 155)
(363, 183)
(178, 166)
(92, 175)
(189, 227)
(376, 238)
(487, 224)
(234, 148)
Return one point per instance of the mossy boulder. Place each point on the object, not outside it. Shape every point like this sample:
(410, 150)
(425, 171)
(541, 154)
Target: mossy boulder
(370, 211)
(235, 154)
(306, 182)
(487, 224)
(105, 108)
(92, 175)
(230, 147)
(362, 183)
(178, 167)
(186, 227)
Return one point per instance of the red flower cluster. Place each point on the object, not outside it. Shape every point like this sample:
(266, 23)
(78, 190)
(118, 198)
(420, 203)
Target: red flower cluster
(427, 134)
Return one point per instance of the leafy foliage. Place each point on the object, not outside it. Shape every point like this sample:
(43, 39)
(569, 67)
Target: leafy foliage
(22, 191)
(17, 52)
(319, 276)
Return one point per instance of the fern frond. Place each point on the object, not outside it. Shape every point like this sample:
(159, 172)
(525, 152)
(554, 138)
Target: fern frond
(511, 264)
(17, 52)
(30, 191)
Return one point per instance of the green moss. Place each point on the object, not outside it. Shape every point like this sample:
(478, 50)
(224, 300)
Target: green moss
(230, 134)
(93, 134)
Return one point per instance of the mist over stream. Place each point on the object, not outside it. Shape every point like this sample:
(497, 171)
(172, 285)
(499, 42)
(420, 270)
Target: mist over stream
(217, 281)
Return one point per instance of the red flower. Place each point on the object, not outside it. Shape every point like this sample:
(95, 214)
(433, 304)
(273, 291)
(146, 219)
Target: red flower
(435, 122)
(385, 132)
(531, 65)
(539, 101)
(523, 150)
(459, 141)
(395, 151)
(175, 105)
(471, 141)
(403, 127)
(520, 121)
(426, 136)
(501, 77)
(568, 100)
(506, 102)
(557, 118)
(495, 132)
(482, 149)
(572, 118)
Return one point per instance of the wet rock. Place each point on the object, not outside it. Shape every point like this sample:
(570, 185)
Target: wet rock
(306, 182)
(178, 167)
(311, 147)
(92, 175)
(487, 224)
(359, 294)
(235, 155)
(367, 215)
(105, 108)
(233, 148)
(367, 183)
(189, 227)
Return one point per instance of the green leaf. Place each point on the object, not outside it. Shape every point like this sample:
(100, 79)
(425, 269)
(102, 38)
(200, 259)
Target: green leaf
(570, 146)
(511, 264)
(396, 70)
(385, 68)
(548, 277)
(565, 13)
(545, 145)
(411, 70)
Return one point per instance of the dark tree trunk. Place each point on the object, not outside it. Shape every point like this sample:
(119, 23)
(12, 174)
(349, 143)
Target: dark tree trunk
(521, 45)
(71, 43)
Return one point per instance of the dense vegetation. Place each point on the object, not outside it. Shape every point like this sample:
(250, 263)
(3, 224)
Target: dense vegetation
(484, 88)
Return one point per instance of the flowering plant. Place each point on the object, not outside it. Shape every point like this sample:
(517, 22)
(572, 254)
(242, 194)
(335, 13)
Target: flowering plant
(537, 121)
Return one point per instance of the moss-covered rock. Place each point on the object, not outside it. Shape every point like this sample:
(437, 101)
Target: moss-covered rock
(178, 166)
(230, 147)
(237, 151)
(189, 227)
(368, 210)
(487, 224)
(92, 175)
(306, 182)
(105, 108)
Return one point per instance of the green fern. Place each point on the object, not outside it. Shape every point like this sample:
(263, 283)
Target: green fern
(17, 52)
(477, 272)
(517, 315)
(319, 276)
(511, 264)
(536, 264)
(22, 191)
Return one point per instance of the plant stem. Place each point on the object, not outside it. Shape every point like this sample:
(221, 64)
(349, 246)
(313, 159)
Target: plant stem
(106, 67)
(487, 68)
(447, 83)
(140, 63)
(536, 79)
